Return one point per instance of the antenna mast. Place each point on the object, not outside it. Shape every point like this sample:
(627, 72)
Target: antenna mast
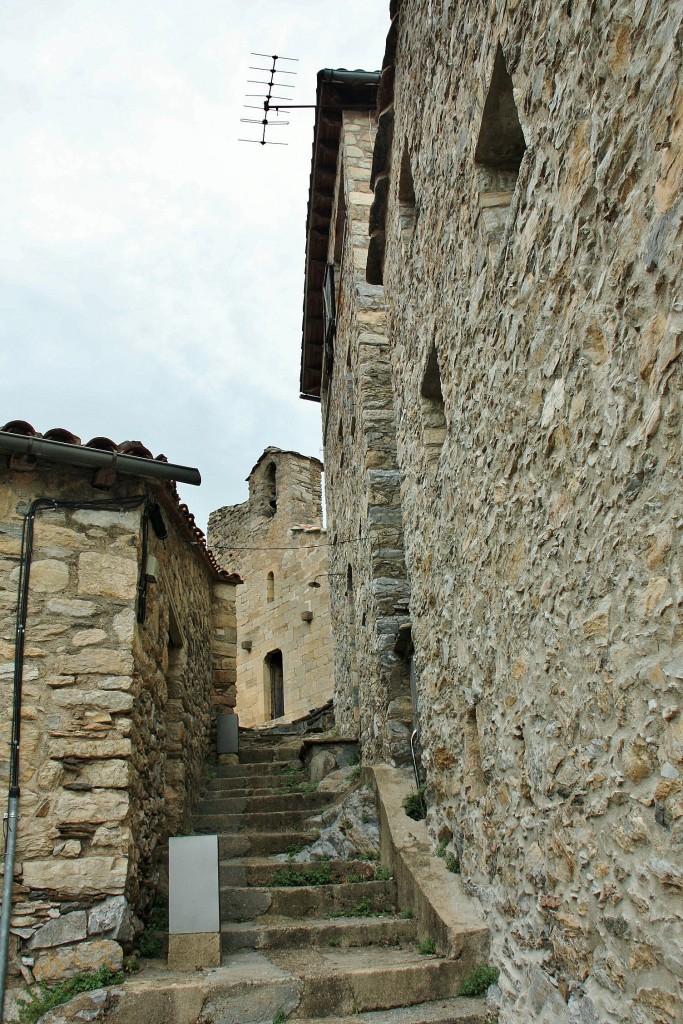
(271, 84)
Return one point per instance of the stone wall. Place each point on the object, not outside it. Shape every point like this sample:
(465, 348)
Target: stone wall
(277, 542)
(116, 715)
(535, 328)
(369, 593)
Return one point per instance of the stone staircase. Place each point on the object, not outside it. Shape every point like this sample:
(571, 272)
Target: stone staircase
(305, 941)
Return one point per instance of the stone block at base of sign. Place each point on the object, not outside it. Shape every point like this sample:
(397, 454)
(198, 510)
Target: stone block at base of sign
(193, 951)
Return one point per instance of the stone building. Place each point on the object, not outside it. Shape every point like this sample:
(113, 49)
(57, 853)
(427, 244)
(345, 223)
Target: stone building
(523, 267)
(128, 651)
(276, 540)
(345, 364)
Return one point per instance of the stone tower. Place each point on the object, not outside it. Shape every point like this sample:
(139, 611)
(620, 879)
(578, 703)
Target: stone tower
(279, 545)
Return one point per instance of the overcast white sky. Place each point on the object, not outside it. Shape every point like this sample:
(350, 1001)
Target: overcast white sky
(151, 266)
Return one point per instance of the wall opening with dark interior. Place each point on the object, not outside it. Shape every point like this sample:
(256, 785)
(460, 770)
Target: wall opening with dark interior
(270, 487)
(500, 149)
(270, 587)
(407, 211)
(275, 683)
(432, 408)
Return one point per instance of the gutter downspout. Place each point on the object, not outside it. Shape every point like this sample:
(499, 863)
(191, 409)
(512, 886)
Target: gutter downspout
(94, 458)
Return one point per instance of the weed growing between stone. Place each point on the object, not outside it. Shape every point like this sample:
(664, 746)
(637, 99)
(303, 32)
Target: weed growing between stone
(280, 1017)
(363, 908)
(54, 995)
(150, 944)
(406, 914)
(291, 876)
(479, 980)
(382, 874)
(427, 947)
(414, 805)
(452, 863)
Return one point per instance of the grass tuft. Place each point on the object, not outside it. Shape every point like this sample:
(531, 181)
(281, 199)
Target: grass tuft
(50, 996)
(414, 805)
(427, 947)
(479, 980)
(292, 876)
(382, 874)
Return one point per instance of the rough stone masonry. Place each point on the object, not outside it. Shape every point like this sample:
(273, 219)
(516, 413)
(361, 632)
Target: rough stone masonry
(526, 230)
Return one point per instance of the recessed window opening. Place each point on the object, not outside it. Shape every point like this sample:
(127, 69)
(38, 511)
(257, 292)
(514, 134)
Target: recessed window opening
(270, 587)
(432, 408)
(270, 487)
(275, 682)
(500, 149)
(407, 213)
(340, 223)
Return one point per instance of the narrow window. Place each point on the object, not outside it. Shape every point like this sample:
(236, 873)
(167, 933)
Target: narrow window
(270, 587)
(406, 199)
(433, 414)
(275, 681)
(270, 482)
(500, 148)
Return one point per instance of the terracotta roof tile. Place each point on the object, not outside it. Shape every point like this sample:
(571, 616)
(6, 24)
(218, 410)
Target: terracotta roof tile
(181, 511)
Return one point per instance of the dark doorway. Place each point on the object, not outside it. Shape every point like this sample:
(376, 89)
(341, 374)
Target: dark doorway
(275, 677)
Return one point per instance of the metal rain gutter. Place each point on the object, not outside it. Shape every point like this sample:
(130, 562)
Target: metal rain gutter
(95, 458)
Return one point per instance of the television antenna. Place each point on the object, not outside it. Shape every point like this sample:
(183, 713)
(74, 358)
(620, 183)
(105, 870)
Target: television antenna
(271, 101)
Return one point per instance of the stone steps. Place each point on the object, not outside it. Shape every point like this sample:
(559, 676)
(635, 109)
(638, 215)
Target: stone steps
(440, 1011)
(257, 769)
(259, 871)
(256, 844)
(278, 754)
(262, 805)
(347, 981)
(297, 933)
(240, 903)
(270, 821)
(301, 956)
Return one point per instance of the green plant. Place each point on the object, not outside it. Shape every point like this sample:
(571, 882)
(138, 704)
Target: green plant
(406, 914)
(158, 919)
(427, 947)
(371, 855)
(452, 863)
(382, 874)
(292, 850)
(131, 964)
(441, 848)
(280, 1017)
(354, 774)
(354, 758)
(291, 876)
(290, 769)
(414, 805)
(345, 825)
(363, 908)
(150, 945)
(479, 980)
(50, 996)
(353, 877)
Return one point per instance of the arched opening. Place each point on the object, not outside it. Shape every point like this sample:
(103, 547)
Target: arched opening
(432, 407)
(270, 587)
(406, 199)
(500, 149)
(275, 683)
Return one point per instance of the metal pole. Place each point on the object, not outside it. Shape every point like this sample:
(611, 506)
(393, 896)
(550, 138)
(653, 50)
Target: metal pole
(5, 916)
